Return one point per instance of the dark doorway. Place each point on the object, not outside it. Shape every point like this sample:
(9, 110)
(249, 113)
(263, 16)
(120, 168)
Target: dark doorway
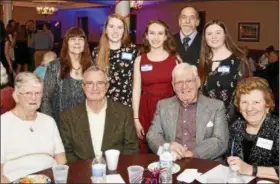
(83, 24)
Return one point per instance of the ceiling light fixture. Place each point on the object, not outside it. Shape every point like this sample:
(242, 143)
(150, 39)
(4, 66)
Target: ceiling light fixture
(136, 4)
(46, 10)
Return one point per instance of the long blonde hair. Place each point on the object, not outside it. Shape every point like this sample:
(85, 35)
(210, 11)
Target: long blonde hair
(102, 58)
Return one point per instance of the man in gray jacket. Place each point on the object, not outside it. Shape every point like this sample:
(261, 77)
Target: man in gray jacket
(193, 124)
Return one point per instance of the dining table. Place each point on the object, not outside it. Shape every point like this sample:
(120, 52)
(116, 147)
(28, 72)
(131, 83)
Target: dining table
(80, 171)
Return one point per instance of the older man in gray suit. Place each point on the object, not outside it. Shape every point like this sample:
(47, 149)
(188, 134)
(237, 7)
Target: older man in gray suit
(193, 124)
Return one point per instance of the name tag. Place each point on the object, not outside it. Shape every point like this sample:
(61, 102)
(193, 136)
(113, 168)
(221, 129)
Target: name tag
(126, 56)
(224, 69)
(264, 143)
(145, 68)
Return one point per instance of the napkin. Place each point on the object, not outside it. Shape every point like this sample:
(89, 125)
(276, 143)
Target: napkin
(114, 178)
(221, 170)
(188, 175)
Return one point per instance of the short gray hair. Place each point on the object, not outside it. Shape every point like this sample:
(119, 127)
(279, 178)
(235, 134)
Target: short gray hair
(4, 76)
(182, 67)
(27, 79)
(95, 68)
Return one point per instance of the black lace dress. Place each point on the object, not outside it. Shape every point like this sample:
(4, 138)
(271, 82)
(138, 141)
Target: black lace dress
(221, 83)
(120, 73)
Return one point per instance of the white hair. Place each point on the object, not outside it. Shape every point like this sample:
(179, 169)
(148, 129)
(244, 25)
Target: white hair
(27, 79)
(95, 69)
(4, 76)
(48, 57)
(183, 67)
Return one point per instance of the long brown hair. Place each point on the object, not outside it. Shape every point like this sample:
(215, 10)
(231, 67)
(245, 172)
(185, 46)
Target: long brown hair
(65, 61)
(169, 44)
(206, 54)
(102, 59)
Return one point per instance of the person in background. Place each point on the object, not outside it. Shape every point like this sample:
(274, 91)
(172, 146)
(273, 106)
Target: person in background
(40, 71)
(272, 75)
(2, 44)
(63, 79)
(11, 27)
(30, 141)
(193, 124)
(30, 29)
(108, 124)
(6, 100)
(21, 49)
(263, 61)
(188, 40)
(10, 52)
(46, 28)
(41, 42)
(115, 54)
(254, 139)
(152, 76)
(251, 62)
(222, 63)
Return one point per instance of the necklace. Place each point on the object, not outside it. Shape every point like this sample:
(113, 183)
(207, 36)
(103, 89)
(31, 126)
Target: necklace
(31, 128)
(77, 71)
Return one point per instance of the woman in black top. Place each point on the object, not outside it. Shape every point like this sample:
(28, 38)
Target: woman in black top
(221, 65)
(115, 55)
(254, 139)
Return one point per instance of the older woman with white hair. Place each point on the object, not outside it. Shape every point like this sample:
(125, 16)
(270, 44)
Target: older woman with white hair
(7, 101)
(30, 140)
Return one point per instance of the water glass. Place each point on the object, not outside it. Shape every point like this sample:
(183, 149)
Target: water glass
(135, 173)
(60, 173)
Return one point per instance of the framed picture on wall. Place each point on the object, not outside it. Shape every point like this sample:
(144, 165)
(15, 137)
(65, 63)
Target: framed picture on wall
(249, 31)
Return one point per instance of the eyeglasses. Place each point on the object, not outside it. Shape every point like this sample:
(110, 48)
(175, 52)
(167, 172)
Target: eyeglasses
(31, 94)
(99, 84)
(180, 84)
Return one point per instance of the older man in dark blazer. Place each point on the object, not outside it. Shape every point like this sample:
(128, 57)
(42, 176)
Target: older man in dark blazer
(193, 124)
(188, 40)
(99, 124)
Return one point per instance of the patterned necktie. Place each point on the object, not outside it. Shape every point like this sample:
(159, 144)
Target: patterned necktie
(186, 43)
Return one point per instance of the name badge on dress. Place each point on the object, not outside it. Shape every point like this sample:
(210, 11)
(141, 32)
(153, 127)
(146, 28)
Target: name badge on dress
(126, 56)
(264, 143)
(224, 69)
(147, 67)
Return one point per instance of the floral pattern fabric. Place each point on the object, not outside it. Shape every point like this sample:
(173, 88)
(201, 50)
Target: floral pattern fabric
(120, 73)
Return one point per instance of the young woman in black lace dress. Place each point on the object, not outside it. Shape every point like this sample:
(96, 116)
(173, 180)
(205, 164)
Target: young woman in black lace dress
(221, 65)
(115, 54)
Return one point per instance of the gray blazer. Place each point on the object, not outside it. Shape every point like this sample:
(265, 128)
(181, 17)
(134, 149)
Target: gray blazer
(211, 141)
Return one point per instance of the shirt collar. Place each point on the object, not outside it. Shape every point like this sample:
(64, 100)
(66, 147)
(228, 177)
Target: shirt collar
(191, 36)
(101, 111)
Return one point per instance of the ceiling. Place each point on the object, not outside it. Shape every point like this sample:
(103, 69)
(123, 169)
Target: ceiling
(69, 4)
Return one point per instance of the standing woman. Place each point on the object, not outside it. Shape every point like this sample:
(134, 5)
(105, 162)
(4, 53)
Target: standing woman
(63, 79)
(152, 76)
(21, 49)
(221, 65)
(115, 55)
(9, 51)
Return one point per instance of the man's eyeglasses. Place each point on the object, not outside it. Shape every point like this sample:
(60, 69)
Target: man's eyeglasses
(180, 84)
(31, 94)
(99, 84)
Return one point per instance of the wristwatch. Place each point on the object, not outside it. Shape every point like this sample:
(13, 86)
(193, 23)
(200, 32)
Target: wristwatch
(255, 170)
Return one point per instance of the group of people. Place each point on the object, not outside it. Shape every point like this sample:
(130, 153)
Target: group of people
(195, 92)
(23, 46)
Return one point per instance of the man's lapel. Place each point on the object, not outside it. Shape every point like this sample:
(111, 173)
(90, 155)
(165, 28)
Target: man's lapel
(172, 118)
(111, 119)
(202, 117)
(83, 125)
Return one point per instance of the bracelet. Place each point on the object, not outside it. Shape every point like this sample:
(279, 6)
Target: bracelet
(135, 118)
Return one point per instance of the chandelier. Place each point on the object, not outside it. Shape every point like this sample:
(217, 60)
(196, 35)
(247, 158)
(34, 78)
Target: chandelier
(136, 4)
(46, 10)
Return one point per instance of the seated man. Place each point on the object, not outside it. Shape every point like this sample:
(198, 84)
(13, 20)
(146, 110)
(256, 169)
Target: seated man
(193, 124)
(99, 124)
